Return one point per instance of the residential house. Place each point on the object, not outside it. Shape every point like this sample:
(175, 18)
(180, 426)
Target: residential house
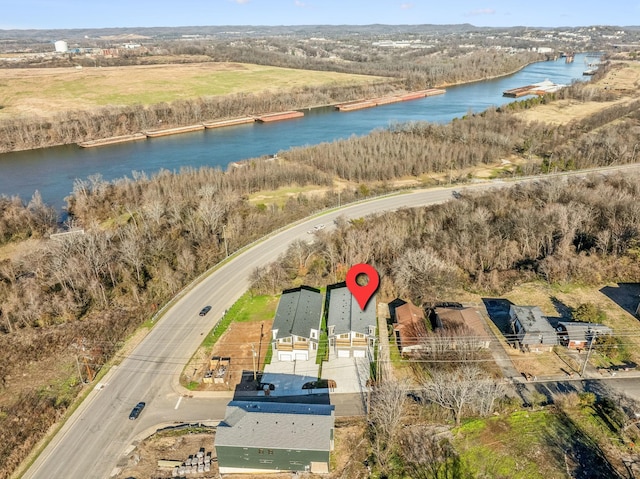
(267, 437)
(296, 327)
(532, 329)
(577, 335)
(351, 330)
(462, 325)
(410, 328)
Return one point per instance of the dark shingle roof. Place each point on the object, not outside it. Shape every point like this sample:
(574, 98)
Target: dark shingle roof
(299, 311)
(535, 325)
(580, 331)
(345, 313)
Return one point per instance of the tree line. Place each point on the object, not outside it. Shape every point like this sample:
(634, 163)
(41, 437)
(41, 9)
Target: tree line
(574, 230)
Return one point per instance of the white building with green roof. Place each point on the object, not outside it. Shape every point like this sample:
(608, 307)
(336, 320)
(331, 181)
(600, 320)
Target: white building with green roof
(267, 437)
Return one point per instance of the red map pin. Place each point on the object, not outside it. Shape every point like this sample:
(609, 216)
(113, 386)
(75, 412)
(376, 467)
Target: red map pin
(362, 293)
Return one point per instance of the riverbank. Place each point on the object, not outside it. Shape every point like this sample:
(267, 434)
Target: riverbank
(262, 118)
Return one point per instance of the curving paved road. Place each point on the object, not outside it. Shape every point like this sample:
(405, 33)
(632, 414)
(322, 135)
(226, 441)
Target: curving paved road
(99, 434)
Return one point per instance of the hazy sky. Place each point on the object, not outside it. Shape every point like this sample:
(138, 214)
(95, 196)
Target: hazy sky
(152, 13)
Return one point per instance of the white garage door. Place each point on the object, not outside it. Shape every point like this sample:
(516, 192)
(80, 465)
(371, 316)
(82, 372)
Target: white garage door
(344, 353)
(359, 353)
(285, 356)
(302, 356)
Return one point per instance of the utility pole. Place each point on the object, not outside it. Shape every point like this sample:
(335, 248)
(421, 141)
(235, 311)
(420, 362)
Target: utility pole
(253, 354)
(586, 360)
(260, 344)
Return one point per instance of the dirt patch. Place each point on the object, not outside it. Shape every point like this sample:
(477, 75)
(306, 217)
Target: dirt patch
(238, 342)
(143, 461)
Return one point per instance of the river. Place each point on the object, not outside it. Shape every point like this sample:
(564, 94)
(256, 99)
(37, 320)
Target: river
(52, 171)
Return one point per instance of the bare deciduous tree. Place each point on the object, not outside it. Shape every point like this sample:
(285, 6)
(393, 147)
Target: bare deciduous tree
(385, 419)
(463, 389)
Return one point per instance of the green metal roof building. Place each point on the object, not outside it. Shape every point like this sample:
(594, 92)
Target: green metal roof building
(263, 437)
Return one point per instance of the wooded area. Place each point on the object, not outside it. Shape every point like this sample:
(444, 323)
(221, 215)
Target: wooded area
(575, 230)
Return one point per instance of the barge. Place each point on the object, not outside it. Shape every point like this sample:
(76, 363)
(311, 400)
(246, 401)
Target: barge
(173, 131)
(230, 122)
(114, 140)
(540, 88)
(360, 104)
(284, 115)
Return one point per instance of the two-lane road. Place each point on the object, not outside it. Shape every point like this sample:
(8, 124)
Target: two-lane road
(97, 435)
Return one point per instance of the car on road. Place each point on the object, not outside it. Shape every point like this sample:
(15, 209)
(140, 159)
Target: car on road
(456, 194)
(318, 227)
(205, 310)
(137, 409)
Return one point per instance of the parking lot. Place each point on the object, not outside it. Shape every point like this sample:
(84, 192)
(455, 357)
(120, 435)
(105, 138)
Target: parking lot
(288, 377)
(349, 375)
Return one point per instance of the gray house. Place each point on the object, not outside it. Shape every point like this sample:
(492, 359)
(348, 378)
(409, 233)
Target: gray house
(532, 329)
(577, 335)
(351, 330)
(296, 326)
(267, 437)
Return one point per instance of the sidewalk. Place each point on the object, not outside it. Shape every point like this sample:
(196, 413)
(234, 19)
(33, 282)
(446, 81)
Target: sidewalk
(384, 359)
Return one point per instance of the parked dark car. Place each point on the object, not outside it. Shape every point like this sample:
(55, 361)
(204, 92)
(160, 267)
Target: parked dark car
(205, 310)
(135, 412)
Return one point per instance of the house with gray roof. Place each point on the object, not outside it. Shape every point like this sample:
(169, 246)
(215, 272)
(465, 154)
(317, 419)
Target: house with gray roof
(532, 329)
(577, 334)
(296, 327)
(351, 330)
(267, 437)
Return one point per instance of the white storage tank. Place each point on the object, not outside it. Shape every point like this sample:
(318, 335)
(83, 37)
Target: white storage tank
(61, 46)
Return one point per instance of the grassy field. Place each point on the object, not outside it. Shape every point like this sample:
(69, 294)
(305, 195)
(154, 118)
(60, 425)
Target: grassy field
(45, 91)
(534, 444)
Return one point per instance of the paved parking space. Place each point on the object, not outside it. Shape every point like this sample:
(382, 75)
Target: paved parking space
(350, 374)
(288, 377)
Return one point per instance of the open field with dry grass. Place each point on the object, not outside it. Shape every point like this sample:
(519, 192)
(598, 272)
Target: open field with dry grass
(625, 80)
(46, 91)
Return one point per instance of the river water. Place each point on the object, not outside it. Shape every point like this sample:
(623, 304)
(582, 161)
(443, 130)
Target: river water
(52, 171)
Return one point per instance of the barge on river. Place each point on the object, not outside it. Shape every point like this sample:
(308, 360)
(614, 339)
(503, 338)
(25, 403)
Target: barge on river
(360, 104)
(541, 88)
